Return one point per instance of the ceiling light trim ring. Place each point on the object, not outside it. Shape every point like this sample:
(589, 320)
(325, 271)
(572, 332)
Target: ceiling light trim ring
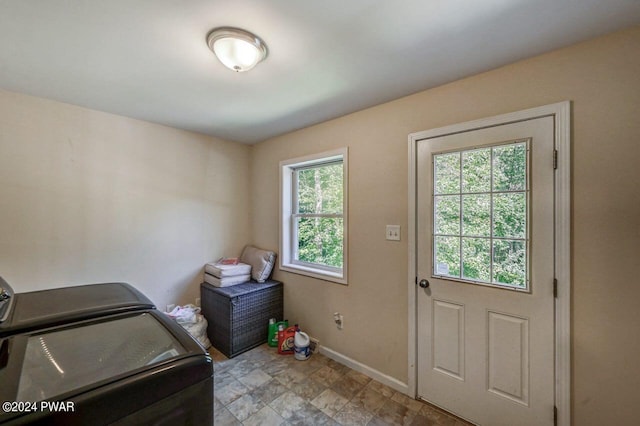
(222, 33)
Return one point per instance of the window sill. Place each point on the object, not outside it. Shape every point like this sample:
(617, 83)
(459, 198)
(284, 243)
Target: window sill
(314, 273)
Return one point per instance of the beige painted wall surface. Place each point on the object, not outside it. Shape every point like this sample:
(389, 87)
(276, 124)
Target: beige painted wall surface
(602, 79)
(89, 197)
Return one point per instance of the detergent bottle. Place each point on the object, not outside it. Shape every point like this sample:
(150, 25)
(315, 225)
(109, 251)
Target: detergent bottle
(273, 336)
(301, 346)
(273, 333)
(285, 340)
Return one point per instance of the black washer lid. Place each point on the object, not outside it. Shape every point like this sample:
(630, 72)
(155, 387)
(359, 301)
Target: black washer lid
(46, 308)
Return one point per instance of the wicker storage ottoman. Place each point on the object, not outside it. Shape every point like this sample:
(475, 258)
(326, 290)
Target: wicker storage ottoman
(239, 315)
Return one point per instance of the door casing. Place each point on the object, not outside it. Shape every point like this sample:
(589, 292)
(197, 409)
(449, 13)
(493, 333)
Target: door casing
(561, 113)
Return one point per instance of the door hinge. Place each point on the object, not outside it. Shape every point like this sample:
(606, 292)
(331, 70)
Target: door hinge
(555, 416)
(555, 287)
(555, 159)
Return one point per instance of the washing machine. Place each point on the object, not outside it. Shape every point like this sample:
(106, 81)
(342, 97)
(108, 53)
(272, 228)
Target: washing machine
(100, 362)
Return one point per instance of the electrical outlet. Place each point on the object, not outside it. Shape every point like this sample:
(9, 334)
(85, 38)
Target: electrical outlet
(197, 301)
(393, 232)
(314, 345)
(339, 320)
(170, 307)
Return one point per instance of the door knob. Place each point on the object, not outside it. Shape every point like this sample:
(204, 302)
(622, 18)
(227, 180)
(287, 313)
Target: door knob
(423, 283)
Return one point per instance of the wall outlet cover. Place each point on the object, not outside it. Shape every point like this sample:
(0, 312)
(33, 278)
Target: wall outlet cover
(314, 345)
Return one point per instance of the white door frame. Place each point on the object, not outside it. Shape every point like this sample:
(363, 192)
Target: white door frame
(561, 112)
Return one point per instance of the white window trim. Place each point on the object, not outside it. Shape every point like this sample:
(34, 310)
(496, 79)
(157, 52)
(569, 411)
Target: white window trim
(287, 260)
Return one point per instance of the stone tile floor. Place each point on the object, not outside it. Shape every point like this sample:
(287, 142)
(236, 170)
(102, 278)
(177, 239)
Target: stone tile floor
(260, 387)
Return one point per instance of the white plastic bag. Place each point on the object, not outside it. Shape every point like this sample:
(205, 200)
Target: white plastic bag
(190, 319)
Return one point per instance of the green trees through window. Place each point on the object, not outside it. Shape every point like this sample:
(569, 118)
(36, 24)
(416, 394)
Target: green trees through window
(480, 214)
(318, 214)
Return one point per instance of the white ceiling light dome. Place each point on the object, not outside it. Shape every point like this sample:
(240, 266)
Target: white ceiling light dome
(237, 49)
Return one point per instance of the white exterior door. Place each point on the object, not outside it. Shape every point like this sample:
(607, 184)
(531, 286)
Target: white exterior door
(485, 248)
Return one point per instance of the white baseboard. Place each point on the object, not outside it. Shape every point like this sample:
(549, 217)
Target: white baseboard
(366, 370)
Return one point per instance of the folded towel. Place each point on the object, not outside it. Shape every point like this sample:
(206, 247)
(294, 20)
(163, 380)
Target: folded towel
(226, 281)
(221, 271)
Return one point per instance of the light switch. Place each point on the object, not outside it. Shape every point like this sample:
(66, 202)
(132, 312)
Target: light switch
(393, 232)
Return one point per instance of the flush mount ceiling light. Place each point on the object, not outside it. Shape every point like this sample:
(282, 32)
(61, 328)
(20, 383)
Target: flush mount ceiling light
(237, 49)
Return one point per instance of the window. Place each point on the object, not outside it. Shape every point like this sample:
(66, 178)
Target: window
(313, 238)
(480, 215)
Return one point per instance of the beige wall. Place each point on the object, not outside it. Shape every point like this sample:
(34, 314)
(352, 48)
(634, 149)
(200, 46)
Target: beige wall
(87, 196)
(602, 79)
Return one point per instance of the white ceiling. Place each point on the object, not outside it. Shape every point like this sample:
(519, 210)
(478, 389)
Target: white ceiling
(148, 59)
